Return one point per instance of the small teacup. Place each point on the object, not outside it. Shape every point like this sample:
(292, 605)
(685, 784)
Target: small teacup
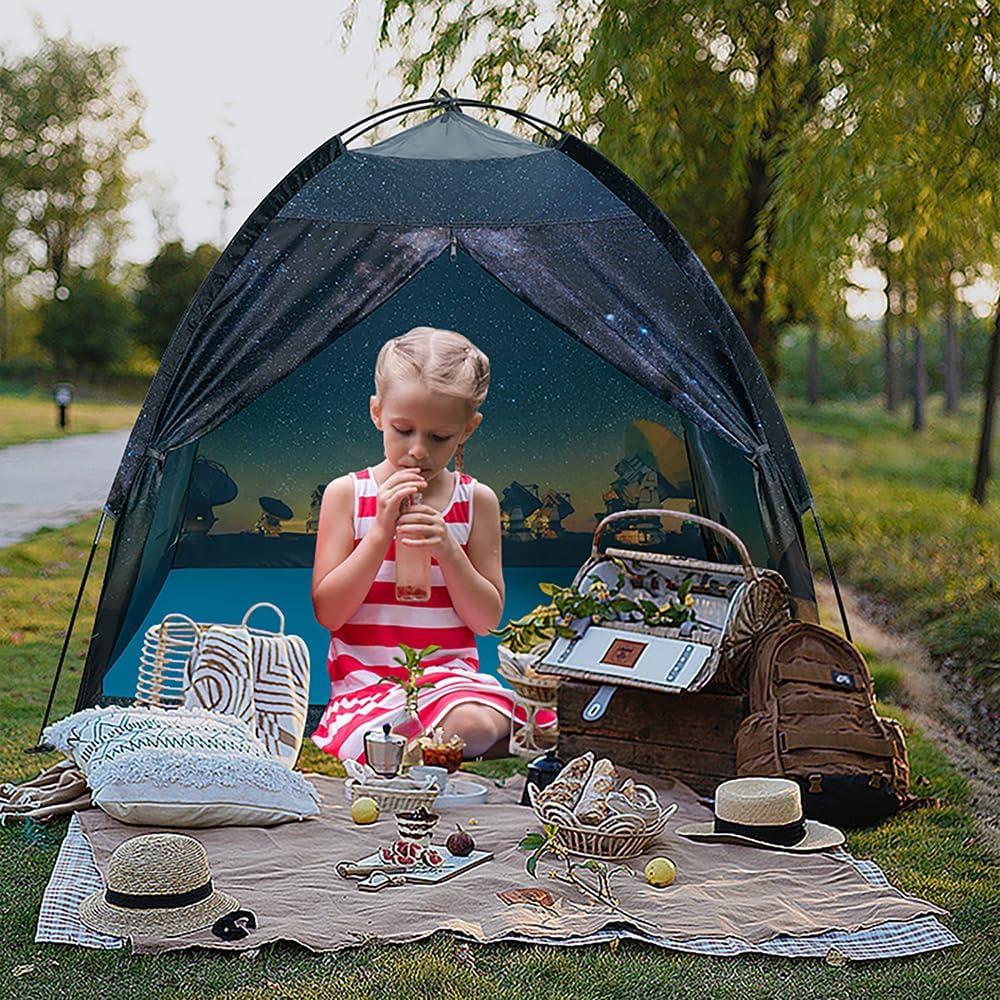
(438, 775)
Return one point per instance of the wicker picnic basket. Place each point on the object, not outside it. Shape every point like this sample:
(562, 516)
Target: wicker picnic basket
(617, 838)
(393, 800)
(733, 604)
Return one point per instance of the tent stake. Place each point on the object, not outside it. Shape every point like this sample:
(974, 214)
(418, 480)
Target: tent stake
(833, 575)
(39, 746)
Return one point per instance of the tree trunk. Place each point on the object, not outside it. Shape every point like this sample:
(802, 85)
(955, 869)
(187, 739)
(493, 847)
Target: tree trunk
(952, 376)
(812, 366)
(4, 314)
(889, 364)
(984, 466)
(888, 346)
(752, 303)
(919, 381)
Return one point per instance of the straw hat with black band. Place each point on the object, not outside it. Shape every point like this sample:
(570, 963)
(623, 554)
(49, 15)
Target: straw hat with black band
(160, 885)
(764, 812)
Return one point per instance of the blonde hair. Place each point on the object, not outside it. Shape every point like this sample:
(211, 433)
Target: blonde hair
(443, 360)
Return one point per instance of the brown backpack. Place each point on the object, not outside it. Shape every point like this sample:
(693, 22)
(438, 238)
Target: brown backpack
(812, 718)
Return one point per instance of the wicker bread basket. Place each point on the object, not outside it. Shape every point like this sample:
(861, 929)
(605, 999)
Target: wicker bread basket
(512, 666)
(540, 689)
(393, 800)
(616, 838)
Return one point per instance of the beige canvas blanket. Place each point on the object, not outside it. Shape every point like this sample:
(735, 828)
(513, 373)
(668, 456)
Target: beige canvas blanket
(286, 875)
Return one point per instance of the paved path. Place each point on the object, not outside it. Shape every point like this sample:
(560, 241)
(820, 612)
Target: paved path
(53, 483)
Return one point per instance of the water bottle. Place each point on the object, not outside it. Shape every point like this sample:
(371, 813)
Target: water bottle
(413, 566)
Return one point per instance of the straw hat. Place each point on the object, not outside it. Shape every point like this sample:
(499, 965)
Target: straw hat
(159, 885)
(765, 812)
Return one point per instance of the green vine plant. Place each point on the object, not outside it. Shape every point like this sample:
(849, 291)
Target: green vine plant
(592, 877)
(570, 612)
(412, 662)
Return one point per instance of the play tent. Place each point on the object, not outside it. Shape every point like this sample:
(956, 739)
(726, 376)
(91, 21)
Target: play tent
(620, 379)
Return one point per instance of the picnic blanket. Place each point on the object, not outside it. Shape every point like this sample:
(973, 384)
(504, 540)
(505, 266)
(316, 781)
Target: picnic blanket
(727, 898)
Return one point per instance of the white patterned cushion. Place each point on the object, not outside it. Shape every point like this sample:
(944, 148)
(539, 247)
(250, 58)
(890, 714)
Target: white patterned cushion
(219, 672)
(96, 735)
(182, 788)
(261, 678)
(280, 693)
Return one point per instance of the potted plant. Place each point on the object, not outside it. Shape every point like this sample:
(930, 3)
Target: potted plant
(408, 723)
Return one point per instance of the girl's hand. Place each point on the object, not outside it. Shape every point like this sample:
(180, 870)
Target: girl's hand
(422, 525)
(399, 486)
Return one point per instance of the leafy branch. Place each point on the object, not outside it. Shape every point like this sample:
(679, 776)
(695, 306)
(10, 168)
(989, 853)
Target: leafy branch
(592, 877)
(412, 663)
(571, 611)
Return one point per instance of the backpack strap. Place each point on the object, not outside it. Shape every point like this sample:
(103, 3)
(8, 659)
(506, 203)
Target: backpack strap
(819, 673)
(806, 738)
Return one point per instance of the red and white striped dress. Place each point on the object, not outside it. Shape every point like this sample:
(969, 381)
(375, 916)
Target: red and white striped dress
(363, 648)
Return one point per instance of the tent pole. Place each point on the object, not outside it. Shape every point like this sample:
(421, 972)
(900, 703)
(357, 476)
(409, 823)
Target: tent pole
(833, 574)
(39, 746)
(427, 103)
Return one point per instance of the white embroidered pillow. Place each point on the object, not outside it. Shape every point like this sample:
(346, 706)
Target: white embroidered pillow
(98, 734)
(181, 788)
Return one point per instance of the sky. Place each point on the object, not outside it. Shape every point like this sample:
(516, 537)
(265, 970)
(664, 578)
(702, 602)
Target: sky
(272, 80)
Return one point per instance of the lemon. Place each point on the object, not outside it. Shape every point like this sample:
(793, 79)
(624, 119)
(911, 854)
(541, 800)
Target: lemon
(661, 872)
(364, 810)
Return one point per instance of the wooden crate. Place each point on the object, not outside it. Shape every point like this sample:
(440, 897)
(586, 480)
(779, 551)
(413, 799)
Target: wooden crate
(689, 736)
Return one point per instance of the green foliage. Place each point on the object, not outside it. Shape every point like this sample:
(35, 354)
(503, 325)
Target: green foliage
(413, 681)
(70, 120)
(851, 366)
(88, 329)
(900, 525)
(169, 283)
(777, 137)
(571, 610)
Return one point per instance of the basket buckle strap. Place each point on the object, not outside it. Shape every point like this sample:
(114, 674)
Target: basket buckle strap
(808, 738)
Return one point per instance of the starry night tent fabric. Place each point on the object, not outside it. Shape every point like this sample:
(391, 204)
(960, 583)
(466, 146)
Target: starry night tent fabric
(621, 379)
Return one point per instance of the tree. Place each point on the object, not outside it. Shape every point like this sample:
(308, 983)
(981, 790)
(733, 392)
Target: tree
(703, 103)
(70, 119)
(169, 283)
(740, 118)
(991, 385)
(223, 178)
(86, 327)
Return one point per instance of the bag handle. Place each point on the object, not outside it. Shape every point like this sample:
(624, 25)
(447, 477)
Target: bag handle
(273, 607)
(749, 570)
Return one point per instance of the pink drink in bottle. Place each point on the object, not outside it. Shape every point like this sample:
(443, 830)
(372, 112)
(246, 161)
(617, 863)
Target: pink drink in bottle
(413, 565)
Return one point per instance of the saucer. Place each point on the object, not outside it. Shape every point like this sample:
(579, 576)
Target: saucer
(461, 792)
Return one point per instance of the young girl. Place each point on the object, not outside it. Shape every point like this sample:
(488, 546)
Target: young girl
(429, 385)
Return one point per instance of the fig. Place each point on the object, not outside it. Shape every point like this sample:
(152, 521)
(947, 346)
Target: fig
(460, 844)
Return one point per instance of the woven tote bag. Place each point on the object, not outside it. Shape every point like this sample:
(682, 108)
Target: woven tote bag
(256, 674)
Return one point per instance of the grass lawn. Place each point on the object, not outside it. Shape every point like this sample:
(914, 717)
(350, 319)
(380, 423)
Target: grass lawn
(896, 511)
(26, 418)
(935, 854)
